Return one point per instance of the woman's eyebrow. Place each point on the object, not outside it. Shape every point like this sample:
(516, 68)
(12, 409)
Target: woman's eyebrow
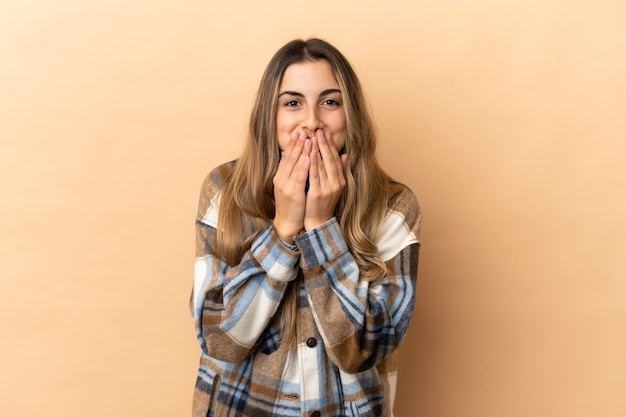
(330, 91)
(291, 93)
(323, 93)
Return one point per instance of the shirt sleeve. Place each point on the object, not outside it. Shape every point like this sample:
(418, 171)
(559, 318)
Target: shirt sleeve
(233, 304)
(361, 322)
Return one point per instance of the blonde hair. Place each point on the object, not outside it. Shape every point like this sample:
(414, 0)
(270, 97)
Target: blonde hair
(247, 202)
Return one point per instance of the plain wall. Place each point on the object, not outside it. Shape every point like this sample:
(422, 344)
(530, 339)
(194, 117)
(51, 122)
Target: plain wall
(507, 119)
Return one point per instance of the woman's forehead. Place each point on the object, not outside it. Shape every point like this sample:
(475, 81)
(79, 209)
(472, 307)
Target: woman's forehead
(316, 75)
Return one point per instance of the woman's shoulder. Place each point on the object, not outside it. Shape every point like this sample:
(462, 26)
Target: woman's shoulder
(401, 225)
(402, 200)
(216, 177)
(211, 187)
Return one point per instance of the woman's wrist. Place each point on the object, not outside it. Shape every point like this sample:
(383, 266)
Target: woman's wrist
(286, 236)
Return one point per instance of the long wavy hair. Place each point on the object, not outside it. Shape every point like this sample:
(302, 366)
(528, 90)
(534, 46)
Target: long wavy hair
(247, 200)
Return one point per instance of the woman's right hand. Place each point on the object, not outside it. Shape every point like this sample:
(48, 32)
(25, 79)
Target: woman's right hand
(289, 187)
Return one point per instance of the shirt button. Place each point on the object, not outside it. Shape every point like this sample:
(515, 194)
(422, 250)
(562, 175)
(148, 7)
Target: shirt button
(311, 342)
(316, 414)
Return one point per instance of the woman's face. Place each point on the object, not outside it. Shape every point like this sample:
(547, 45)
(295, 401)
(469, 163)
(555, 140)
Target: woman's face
(309, 98)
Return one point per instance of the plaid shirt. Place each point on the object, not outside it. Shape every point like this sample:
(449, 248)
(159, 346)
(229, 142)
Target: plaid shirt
(347, 329)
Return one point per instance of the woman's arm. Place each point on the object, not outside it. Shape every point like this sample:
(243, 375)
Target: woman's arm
(361, 322)
(232, 305)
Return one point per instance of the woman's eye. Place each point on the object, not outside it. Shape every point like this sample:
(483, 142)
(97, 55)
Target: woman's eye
(330, 102)
(291, 103)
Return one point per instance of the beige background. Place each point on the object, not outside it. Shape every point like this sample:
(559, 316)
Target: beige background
(506, 118)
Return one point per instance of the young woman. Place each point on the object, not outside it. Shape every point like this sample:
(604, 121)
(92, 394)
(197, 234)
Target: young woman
(306, 254)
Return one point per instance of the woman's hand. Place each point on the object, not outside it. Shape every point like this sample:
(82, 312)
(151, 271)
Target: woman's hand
(326, 180)
(289, 187)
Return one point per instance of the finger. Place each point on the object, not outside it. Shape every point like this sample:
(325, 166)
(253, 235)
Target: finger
(314, 169)
(297, 141)
(322, 171)
(291, 154)
(330, 156)
(344, 161)
(304, 161)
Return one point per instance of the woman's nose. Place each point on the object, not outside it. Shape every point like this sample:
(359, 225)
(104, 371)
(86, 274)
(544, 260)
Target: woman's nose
(312, 121)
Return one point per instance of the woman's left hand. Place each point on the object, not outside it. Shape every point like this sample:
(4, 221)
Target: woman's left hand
(326, 181)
